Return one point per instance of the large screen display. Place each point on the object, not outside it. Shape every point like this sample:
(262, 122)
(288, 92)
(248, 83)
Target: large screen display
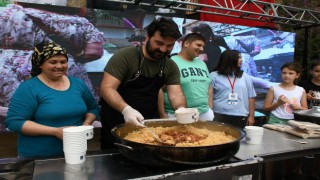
(92, 36)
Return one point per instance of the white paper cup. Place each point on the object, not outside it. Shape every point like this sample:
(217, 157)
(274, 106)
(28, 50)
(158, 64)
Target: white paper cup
(74, 149)
(74, 140)
(88, 131)
(75, 129)
(75, 144)
(254, 129)
(186, 115)
(75, 158)
(253, 134)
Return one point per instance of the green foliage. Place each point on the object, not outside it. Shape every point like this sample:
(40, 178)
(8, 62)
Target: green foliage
(313, 32)
(4, 3)
(313, 51)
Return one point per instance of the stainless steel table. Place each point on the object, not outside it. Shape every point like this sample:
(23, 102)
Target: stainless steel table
(115, 166)
(274, 147)
(248, 163)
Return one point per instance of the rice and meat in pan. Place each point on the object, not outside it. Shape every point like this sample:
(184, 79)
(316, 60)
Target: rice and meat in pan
(180, 136)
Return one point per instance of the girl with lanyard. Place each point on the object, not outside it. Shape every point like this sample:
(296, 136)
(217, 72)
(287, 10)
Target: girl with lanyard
(233, 91)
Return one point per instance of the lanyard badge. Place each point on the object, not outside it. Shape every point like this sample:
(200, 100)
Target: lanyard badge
(232, 97)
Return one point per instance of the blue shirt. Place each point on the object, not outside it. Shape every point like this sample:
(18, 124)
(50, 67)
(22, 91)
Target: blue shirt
(35, 101)
(221, 89)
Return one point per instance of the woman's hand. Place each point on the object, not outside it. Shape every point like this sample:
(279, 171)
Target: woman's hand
(32, 128)
(59, 132)
(296, 107)
(283, 99)
(87, 123)
(310, 97)
(89, 119)
(251, 121)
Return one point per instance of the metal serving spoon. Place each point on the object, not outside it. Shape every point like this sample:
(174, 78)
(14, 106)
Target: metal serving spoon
(301, 142)
(157, 137)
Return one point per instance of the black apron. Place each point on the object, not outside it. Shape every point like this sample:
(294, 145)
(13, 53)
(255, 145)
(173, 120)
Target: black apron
(140, 92)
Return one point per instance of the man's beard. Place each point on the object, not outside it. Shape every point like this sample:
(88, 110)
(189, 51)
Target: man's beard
(156, 53)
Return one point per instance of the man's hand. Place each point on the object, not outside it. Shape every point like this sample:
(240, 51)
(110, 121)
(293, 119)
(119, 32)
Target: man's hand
(132, 116)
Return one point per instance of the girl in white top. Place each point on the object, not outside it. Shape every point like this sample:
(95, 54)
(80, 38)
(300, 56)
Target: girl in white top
(286, 97)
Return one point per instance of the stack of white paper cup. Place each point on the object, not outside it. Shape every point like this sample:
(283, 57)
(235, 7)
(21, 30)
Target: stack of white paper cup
(74, 145)
(88, 131)
(253, 134)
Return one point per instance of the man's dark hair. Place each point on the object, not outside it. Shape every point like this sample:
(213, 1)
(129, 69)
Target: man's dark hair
(166, 27)
(193, 37)
(203, 29)
(228, 63)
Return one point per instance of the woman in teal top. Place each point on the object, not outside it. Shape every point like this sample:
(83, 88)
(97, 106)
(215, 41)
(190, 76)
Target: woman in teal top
(194, 79)
(50, 101)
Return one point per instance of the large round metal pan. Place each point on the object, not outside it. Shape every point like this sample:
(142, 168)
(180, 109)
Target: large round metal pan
(301, 116)
(160, 155)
